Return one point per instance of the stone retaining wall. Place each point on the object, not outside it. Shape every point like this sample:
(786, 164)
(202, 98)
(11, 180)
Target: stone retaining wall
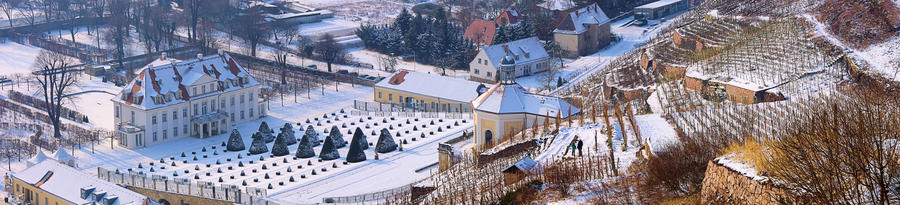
(723, 185)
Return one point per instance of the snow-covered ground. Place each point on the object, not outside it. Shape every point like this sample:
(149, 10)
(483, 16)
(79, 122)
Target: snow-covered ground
(133, 44)
(367, 56)
(16, 58)
(653, 128)
(577, 70)
(885, 57)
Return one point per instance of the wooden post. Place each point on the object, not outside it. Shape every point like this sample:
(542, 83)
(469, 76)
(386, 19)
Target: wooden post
(609, 143)
(634, 126)
(621, 125)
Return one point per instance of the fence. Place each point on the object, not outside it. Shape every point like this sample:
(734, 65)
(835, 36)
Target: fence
(405, 189)
(209, 190)
(413, 114)
(409, 107)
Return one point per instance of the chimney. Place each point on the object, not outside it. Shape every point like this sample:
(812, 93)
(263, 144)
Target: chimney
(163, 56)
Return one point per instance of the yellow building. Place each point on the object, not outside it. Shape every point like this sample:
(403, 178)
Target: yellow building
(506, 108)
(583, 31)
(426, 92)
(53, 183)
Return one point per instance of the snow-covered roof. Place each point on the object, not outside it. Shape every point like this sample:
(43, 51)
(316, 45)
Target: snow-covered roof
(557, 5)
(62, 156)
(512, 98)
(66, 182)
(436, 86)
(166, 84)
(524, 50)
(658, 4)
(575, 21)
(38, 158)
(525, 164)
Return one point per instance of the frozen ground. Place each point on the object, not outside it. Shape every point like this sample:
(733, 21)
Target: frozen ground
(16, 58)
(334, 26)
(654, 129)
(577, 70)
(363, 55)
(885, 57)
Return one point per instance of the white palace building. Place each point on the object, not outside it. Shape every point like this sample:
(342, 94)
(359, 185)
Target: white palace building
(170, 99)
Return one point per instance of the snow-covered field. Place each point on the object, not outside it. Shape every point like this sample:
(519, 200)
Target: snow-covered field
(16, 58)
(133, 44)
(885, 57)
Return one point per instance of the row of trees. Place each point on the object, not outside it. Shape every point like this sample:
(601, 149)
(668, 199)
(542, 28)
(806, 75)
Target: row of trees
(433, 39)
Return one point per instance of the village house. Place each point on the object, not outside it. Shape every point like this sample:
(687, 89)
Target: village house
(481, 32)
(428, 92)
(506, 109)
(509, 16)
(528, 53)
(200, 97)
(51, 182)
(583, 31)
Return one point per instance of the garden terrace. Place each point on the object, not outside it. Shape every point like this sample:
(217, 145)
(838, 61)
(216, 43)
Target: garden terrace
(711, 32)
(286, 174)
(781, 52)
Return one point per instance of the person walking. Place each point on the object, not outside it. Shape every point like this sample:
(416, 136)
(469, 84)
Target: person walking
(580, 144)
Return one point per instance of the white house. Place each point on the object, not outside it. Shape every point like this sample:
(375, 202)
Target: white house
(529, 54)
(200, 97)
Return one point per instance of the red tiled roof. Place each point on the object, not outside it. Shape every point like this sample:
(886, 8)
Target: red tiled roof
(232, 66)
(397, 79)
(153, 79)
(481, 31)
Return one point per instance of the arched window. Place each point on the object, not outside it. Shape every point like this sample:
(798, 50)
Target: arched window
(488, 139)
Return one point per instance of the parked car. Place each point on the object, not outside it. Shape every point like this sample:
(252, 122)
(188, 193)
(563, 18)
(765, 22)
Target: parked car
(364, 76)
(312, 66)
(345, 72)
(372, 78)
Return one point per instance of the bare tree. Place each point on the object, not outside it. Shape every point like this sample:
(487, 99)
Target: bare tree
(8, 7)
(55, 74)
(254, 28)
(281, 60)
(330, 51)
(30, 12)
(305, 47)
(388, 63)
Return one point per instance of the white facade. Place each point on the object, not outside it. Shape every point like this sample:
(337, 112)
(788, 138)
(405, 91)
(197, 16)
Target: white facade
(199, 100)
(529, 55)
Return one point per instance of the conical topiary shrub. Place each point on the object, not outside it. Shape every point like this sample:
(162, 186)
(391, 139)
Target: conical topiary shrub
(385, 142)
(356, 153)
(338, 138)
(313, 135)
(258, 146)
(280, 148)
(235, 141)
(289, 137)
(305, 149)
(329, 151)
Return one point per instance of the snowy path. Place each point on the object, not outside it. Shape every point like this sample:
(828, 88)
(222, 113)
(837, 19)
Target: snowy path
(373, 176)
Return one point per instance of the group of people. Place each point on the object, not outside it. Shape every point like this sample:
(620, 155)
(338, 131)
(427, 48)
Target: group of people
(576, 144)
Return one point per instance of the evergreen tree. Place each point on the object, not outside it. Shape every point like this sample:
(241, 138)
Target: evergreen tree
(311, 136)
(235, 142)
(280, 147)
(329, 151)
(356, 154)
(411, 36)
(258, 146)
(289, 137)
(386, 142)
(402, 21)
(337, 137)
